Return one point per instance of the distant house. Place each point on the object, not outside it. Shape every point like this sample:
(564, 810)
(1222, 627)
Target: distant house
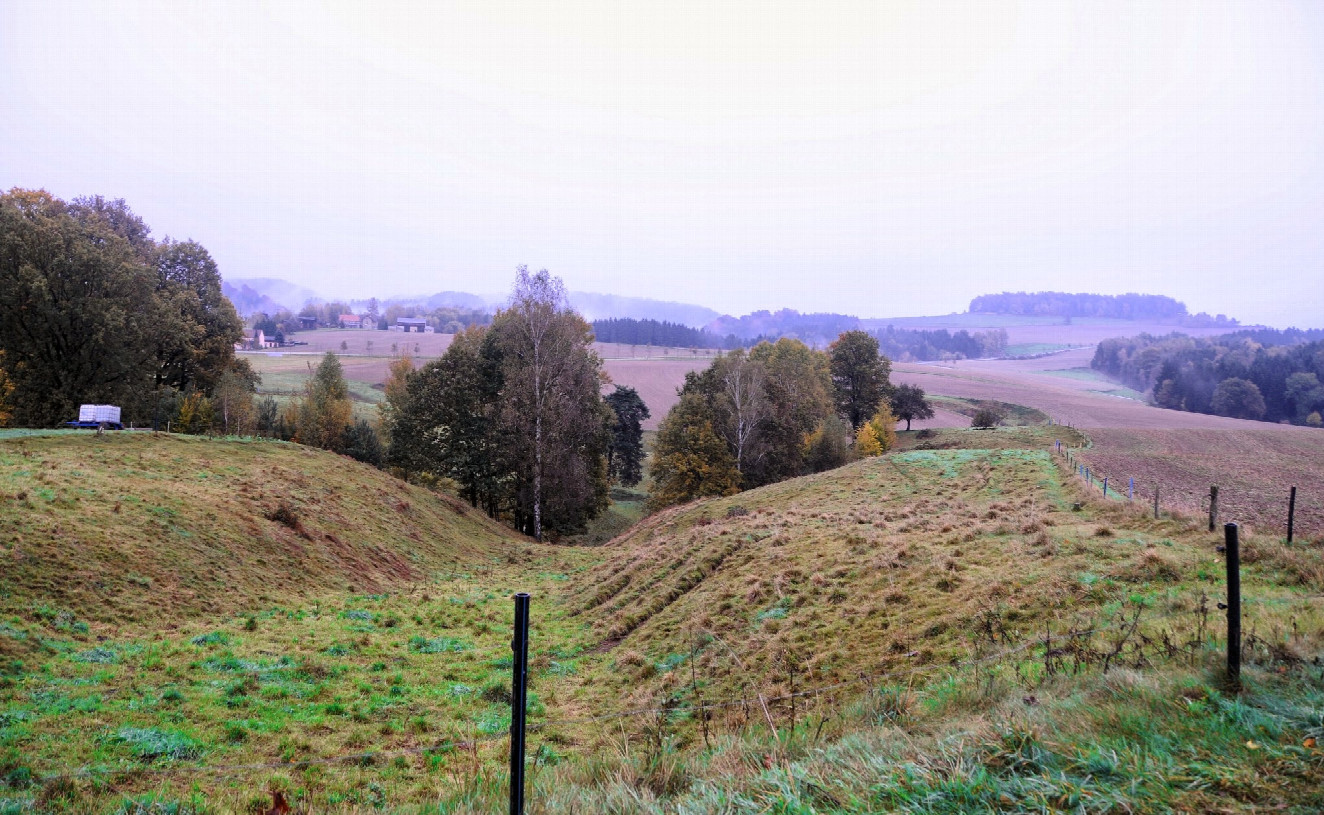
(407, 324)
(308, 323)
(351, 321)
(255, 341)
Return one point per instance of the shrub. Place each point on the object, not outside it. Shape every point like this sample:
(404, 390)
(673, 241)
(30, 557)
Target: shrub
(986, 417)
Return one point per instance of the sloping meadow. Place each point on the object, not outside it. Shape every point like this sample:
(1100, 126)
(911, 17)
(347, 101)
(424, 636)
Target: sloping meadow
(903, 566)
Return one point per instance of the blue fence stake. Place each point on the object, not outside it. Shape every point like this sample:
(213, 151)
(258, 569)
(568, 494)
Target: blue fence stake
(1131, 490)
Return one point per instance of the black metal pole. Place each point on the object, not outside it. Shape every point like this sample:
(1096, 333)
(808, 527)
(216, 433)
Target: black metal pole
(1291, 514)
(1233, 551)
(519, 696)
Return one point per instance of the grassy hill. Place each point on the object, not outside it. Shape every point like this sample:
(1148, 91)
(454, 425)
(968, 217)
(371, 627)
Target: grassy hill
(123, 527)
(871, 639)
(905, 560)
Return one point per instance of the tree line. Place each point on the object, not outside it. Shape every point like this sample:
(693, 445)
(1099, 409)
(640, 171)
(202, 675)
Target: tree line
(94, 310)
(1236, 374)
(1063, 304)
(776, 411)
(629, 331)
(513, 417)
(923, 344)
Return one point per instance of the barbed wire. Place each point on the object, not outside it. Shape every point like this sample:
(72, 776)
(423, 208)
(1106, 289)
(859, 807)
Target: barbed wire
(1232, 499)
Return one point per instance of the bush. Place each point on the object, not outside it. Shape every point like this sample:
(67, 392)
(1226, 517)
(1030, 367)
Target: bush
(986, 417)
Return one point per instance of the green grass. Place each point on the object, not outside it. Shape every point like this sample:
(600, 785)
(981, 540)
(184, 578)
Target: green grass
(894, 568)
(1029, 349)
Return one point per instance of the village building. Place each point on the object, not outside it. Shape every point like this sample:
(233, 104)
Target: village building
(415, 324)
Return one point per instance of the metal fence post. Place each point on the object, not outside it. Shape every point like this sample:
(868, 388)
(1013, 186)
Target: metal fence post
(519, 696)
(1233, 551)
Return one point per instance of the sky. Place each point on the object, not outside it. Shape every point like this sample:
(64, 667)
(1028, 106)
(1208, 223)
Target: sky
(872, 158)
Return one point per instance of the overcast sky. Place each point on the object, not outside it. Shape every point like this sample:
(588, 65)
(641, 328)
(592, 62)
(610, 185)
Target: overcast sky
(875, 158)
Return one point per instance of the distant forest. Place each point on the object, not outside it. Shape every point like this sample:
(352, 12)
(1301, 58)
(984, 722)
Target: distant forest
(1254, 374)
(921, 345)
(816, 330)
(1114, 306)
(629, 331)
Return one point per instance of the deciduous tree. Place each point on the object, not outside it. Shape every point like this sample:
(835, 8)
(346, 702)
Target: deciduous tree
(908, 402)
(1238, 398)
(555, 425)
(325, 410)
(860, 376)
(689, 460)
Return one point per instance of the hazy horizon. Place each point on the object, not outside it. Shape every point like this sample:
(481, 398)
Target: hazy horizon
(883, 160)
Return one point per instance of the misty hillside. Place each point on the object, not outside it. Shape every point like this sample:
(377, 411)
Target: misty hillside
(266, 294)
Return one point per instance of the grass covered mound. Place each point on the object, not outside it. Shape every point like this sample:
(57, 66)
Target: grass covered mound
(129, 527)
(871, 639)
(906, 562)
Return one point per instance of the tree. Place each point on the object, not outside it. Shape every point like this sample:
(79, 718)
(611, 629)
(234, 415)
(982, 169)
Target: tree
(866, 442)
(860, 376)
(908, 403)
(233, 399)
(1238, 398)
(397, 394)
(195, 414)
(798, 391)
(555, 425)
(625, 455)
(76, 304)
(884, 427)
(325, 410)
(93, 310)
(690, 461)
(363, 444)
(828, 447)
(1304, 392)
(268, 417)
(748, 408)
(446, 420)
(198, 326)
(6, 392)
(986, 417)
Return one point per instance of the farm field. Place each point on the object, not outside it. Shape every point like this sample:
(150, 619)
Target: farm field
(1254, 469)
(655, 372)
(1044, 331)
(830, 607)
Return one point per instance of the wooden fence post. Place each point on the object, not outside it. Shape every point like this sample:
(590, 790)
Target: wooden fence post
(1156, 502)
(1213, 508)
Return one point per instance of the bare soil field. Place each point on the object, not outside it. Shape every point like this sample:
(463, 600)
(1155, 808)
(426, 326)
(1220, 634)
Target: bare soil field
(1254, 469)
(656, 380)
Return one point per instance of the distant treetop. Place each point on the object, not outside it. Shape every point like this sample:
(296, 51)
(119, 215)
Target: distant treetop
(1063, 304)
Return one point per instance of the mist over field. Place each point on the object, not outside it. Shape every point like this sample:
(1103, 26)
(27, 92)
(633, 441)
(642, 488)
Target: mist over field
(883, 160)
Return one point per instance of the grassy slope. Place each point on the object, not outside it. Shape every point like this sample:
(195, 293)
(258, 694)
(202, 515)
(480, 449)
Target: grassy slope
(119, 527)
(905, 562)
(900, 562)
